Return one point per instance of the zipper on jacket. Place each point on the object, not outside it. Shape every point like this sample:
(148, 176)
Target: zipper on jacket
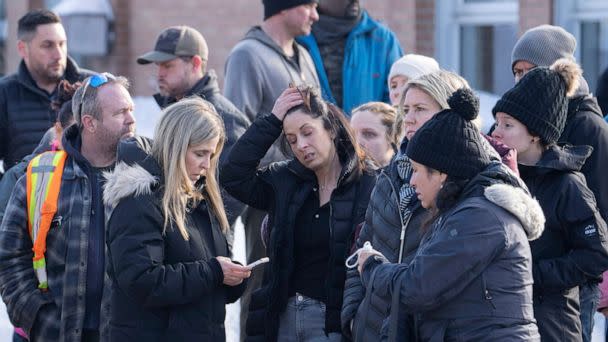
(403, 224)
(486, 294)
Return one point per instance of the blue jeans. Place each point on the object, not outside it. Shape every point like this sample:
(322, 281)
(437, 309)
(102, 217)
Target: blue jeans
(589, 298)
(304, 321)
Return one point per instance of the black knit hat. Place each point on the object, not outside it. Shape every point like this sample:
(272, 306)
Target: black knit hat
(540, 99)
(272, 7)
(450, 142)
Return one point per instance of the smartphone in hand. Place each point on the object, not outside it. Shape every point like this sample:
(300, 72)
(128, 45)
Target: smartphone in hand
(258, 262)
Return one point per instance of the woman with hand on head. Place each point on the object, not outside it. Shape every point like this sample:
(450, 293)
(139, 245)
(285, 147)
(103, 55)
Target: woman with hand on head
(314, 201)
(471, 277)
(168, 258)
(376, 131)
(573, 249)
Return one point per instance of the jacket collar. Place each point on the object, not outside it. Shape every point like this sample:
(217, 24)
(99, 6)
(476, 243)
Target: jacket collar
(565, 158)
(206, 88)
(72, 74)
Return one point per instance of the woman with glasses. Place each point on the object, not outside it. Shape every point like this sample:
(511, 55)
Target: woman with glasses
(168, 258)
(376, 131)
(314, 200)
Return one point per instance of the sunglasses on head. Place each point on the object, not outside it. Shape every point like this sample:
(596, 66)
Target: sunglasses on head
(94, 81)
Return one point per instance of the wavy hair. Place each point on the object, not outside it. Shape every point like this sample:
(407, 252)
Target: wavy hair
(189, 122)
(335, 122)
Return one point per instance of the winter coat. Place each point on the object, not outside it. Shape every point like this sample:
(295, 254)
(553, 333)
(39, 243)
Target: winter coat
(573, 246)
(585, 126)
(383, 227)
(371, 49)
(281, 189)
(235, 123)
(471, 278)
(56, 315)
(163, 287)
(258, 71)
(25, 112)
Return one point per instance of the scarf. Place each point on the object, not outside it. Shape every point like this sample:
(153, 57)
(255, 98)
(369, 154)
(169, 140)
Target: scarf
(406, 192)
(331, 29)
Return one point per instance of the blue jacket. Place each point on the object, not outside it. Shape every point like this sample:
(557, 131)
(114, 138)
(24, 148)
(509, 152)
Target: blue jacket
(371, 49)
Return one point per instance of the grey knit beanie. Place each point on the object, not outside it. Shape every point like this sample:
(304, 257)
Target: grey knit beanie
(543, 45)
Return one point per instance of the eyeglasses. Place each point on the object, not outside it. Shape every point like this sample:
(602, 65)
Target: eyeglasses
(95, 81)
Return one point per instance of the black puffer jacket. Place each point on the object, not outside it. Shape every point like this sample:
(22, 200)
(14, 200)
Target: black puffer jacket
(585, 126)
(383, 227)
(471, 278)
(281, 189)
(235, 123)
(573, 246)
(25, 112)
(164, 288)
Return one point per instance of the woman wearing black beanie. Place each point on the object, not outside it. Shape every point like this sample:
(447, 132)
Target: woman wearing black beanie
(572, 249)
(471, 279)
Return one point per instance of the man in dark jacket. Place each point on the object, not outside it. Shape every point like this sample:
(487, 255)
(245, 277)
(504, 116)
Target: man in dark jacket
(75, 307)
(541, 46)
(25, 97)
(181, 55)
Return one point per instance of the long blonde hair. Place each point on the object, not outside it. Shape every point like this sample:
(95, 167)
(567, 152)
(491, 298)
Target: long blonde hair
(189, 122)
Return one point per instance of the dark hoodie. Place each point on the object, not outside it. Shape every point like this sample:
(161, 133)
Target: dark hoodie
(235, 123)
(573, 246)
(96, 248)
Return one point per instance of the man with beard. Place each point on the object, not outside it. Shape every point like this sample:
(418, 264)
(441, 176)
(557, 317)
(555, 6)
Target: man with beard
(65, 303)
(25, 97)
(180, 55)
(353, 54)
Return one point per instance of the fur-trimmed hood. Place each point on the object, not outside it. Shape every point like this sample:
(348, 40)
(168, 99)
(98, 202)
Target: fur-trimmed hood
(516, 201)
(136, 172)
(127, 180)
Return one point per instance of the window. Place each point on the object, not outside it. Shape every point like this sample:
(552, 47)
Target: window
(475, 39)
(587, 20)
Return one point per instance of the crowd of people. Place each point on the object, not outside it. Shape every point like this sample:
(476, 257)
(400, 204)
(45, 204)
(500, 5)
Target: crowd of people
(375, 207)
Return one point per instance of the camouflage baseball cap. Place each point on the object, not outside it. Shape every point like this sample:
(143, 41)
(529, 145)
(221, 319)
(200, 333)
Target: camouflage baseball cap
(176, 41)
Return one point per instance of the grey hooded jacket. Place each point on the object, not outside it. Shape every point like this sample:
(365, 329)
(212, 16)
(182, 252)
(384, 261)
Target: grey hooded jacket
(257, 71)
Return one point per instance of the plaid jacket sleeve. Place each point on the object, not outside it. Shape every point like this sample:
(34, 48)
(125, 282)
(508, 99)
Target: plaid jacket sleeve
(18, 283)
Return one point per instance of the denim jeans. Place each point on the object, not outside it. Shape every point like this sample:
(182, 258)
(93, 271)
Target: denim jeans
(589, 298)
(304, 321)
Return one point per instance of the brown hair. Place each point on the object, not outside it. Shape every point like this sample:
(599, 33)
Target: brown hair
(388, 117)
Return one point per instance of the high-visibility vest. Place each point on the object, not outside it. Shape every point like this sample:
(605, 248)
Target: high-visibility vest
(43, 181)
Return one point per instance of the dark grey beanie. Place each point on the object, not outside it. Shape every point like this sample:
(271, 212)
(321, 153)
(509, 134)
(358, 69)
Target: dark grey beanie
(543, 45)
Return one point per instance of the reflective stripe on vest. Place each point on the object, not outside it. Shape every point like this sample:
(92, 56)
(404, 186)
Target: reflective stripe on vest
(43, 181)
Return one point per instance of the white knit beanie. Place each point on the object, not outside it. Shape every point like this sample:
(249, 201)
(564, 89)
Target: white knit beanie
(413, 66)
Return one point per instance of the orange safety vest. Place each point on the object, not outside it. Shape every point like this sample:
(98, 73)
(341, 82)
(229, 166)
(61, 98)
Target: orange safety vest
(43, 181)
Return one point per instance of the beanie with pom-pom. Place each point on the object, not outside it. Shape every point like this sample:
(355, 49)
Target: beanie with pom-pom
(450, 142)
(540, 99)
